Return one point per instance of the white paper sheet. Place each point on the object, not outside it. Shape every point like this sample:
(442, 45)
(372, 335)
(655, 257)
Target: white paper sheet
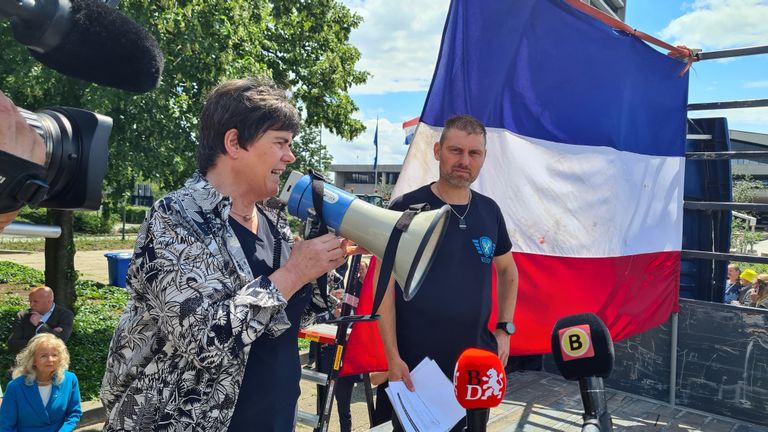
(432, 407)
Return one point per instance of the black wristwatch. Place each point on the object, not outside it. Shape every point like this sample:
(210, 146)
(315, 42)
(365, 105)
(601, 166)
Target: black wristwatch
(507, 326)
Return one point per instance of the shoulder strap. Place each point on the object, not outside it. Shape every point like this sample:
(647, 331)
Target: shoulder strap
(318, 226)
(388, 260)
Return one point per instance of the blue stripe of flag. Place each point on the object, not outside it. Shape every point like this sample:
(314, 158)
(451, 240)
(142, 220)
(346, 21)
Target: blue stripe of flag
(543, 69)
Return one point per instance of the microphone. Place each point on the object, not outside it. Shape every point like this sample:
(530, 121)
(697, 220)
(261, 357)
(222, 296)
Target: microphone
(479, 384)
(87, 40)
(583, 351)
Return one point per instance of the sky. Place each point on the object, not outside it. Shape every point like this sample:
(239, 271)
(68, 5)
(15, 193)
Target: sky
(399, 41)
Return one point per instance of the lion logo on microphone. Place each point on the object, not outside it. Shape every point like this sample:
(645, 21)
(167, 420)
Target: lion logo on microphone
(493, 383)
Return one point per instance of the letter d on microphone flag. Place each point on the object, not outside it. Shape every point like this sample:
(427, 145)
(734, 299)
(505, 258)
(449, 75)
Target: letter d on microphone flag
(585, 147)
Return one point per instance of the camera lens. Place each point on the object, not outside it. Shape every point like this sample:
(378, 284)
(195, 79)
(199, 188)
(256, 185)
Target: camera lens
(76, 155)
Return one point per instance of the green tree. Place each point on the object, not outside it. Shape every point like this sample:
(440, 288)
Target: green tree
(310, 152)
(743, 237)
(303, 45)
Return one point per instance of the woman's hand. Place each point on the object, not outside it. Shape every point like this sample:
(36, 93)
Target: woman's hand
(351, 248)
(309, 260)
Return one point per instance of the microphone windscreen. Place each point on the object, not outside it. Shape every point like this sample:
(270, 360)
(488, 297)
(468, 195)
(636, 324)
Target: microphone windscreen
(105, 47)
(582, 347)
(479, 380)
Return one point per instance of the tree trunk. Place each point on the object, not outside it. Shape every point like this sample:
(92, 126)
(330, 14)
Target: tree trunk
(60, 272)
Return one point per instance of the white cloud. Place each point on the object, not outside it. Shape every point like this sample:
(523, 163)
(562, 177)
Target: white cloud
(392, 149)
(717, 24)
(746, 119)
(398, 42)
(756, 84)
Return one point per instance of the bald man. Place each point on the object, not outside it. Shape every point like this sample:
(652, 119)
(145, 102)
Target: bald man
(43, 316)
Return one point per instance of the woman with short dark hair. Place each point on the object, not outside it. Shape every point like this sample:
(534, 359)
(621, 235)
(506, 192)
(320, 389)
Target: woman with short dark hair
(208, 341)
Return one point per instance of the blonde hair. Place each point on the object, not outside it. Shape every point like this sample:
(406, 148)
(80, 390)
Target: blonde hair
(25, 360)
(762, 291)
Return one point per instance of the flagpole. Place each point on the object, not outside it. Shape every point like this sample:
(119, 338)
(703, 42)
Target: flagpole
(376, 156)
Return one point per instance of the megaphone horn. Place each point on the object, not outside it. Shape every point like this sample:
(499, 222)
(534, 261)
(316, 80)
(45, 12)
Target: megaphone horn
(370, 227)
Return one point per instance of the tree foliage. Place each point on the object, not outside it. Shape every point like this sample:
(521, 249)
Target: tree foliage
(310, 152)
(743, 236)
(303, 45)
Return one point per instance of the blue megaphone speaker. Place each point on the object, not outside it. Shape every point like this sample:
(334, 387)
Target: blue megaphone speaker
(370, 227)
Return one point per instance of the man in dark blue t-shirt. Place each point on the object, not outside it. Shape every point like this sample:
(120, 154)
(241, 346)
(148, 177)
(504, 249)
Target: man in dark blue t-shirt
(451, 310)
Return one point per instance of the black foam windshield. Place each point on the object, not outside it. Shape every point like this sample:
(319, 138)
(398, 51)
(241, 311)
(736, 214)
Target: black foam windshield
(105, 47)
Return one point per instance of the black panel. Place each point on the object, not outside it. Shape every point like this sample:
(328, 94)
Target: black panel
(706, 180)
(722, 360)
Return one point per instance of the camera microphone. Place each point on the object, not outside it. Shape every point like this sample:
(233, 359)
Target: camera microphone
(87, 40)
(479, 384)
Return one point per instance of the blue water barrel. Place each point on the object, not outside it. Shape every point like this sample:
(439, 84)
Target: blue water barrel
(117, 263)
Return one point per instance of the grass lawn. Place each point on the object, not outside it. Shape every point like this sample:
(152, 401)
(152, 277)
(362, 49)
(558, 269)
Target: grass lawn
(97, 309)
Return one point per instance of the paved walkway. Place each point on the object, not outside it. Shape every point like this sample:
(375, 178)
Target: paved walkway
(92, 265)
(535, 401)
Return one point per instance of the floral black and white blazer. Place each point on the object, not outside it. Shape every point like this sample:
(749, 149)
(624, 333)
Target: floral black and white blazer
(178, 354)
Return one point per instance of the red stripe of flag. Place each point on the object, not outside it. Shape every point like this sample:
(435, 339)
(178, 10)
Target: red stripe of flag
(627, 305)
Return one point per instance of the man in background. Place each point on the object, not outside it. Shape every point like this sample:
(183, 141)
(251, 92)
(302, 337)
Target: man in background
(43, 316)
(732, 286)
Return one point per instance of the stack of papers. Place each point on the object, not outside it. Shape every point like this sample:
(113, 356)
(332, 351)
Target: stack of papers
(432, 407)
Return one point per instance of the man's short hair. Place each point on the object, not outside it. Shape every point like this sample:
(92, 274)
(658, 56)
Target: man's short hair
(253, 106)
(734, 266)
(465, 123)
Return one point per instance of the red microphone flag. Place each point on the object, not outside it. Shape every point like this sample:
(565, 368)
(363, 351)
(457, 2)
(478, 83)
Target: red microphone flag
(479, 380)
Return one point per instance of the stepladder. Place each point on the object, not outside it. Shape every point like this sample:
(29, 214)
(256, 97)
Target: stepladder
(327, 344)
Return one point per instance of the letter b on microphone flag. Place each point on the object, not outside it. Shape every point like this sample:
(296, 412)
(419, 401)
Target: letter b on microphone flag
(585, 147)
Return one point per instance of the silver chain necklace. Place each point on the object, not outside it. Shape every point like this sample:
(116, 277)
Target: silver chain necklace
(245, 217)
(462, 221)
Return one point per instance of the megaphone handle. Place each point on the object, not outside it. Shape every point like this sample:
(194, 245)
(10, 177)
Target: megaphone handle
(318, 191)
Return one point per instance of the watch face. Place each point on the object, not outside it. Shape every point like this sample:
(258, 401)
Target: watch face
(507, 327)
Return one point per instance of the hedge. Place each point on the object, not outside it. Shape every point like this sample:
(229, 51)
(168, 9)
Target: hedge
(88, 222)
(135, 214)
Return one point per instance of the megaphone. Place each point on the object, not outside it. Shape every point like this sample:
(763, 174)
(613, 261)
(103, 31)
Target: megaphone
(370, 227)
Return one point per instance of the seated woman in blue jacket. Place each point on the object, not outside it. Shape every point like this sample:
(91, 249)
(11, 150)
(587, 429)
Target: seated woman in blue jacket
(43, 396)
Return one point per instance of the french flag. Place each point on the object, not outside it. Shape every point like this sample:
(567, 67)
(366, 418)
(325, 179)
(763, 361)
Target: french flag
(409, 127)
(585, 156)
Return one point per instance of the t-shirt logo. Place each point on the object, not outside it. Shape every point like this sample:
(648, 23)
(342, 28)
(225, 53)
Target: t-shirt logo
(485, 247)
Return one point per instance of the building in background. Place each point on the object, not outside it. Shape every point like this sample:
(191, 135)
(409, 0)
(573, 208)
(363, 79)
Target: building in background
(755, 169)
(361, 179)
(614, 8)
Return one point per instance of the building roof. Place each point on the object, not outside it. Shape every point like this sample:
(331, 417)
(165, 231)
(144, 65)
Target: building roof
(366, 168)
(752, 138)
